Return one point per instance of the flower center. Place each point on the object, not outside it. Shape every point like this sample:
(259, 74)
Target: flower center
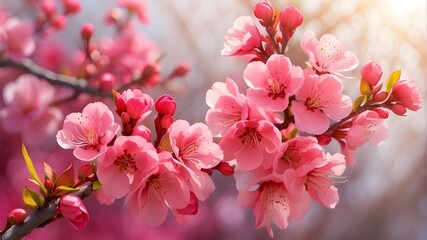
(251, 137)
(276, 90)
(291, 156)
(92, 138)
(312, 104)
(125, 162)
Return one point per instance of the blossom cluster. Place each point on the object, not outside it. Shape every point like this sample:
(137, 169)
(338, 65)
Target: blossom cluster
(274, 132)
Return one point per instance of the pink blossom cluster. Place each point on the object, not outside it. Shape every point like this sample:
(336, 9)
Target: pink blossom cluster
(154, 177)
(274, 132)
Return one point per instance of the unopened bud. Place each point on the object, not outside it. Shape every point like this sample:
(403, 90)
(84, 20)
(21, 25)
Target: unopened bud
(71, 6)
(181, 70)
(371, 73)
(86, 32)
(290, 19)
(48, 7)
(73, 209)
(166, 121)
(121, 105)
(324, 140)
(166, 105)
(264, 12)
(225, 168)
(382, 113)
(380, 96)
(85, 170)
(107, 82)
(398, 109)
(124, 116)
(142, 131)
(16, 216)
(59, 22)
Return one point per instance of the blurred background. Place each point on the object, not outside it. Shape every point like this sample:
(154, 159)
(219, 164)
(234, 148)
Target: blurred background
(386, 195)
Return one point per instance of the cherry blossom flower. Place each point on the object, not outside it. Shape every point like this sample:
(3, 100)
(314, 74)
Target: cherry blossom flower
(315, 178)
(367, 127)
(135, 103)
(151, 196)
(121, 162)
(88, 132)
(371, 73)
(227, 106)
(272, 84)
(319, 100)
(242, 38)
(74, 210)
(290, 19)
(27, 109)
(296, 152)
(327, 55)
(251, 143)
(16, 37)
(193, 149)
(271, 201)
(405, 92)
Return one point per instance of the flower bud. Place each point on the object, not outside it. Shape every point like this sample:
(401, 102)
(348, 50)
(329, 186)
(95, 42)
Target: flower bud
(192, 207)
(86, 32)
(120, 105)
(290, 19)
(107, 82)
(166, 105)
(181, 70)
(124, 116)
(73, 209)
(59, 22)
(48, 7)
(264, 12)
(166, 121)
(382, 113)
(371, 73)
(85, 170)
(380, 96)
(16, 216)
(398, 109)
(324, 140)
(225, 169)
(71, 6)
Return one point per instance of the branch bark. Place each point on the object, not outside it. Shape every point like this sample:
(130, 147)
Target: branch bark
(39, 217)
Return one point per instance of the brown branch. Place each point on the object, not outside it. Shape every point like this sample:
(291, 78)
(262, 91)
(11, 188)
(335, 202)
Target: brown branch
(40, 217)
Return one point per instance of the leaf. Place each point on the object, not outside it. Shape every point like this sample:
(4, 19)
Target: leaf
(364, 88)
(66, 178)
(96, 185)
(68, 189)
(358, 101)
(31, 168)
(32, 199)
(394, 77)
(49, 172)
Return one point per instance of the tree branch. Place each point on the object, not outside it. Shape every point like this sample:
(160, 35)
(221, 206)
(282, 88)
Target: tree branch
(40, 217)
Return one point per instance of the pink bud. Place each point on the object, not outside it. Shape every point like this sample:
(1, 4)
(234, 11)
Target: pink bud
(382, 113)
(73, 209)
(86, 32)
(142, 131)
(324, 140)
(120, 105)
(406, 93)
(166, 105)
(71, 6)
(85, 170)
(264, 12)
(290, 19)
(380, 96)
(16, 216)
(166, 121)
(124, 116)
(48, 7)
(225, 169)
(59, 22)
(371, 73)
(181, 70)
(398, 109)
(107, 82)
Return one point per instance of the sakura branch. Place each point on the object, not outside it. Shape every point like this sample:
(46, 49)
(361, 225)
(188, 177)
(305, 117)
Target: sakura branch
(270, 137)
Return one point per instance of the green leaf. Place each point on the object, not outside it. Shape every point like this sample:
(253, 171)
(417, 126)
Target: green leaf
(68, 189)
(96, 185)
(394, 77)
(32, 199)
(31, 168)
(49, 172)
(66, 178)
(364, 88)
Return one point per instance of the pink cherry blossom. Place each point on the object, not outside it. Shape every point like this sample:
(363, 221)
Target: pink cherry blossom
(315, 178)
(121, 162)
(271, 201)
(242, 38)
(136, 103)
(327, 55)
(74, 210)
(16, 38)
(296, 152)
(88, 132)
(151, 196)
(405, 92)
(137, 6)
(319, 100)
(193, 149)
(290, 19)
(264, 11)
(27, 109)
(251, 143)
(367, 127)
(227, 106)
(272, 84)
